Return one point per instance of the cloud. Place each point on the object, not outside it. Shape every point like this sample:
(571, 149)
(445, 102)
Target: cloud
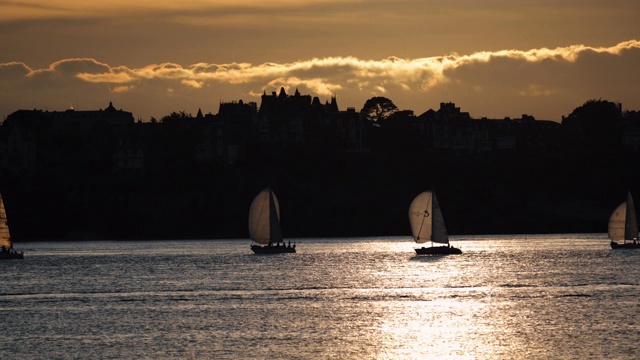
(122, 89)
(482, 79)
(429, 72)
(66, 70)
(318, 86)
(192, 83)
(13, 71)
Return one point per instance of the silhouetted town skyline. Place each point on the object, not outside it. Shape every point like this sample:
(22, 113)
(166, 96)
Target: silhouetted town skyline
(101, 174)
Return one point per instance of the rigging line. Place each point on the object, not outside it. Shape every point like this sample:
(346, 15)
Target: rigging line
(424, 216)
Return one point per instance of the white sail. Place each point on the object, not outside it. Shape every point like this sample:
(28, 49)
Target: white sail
(264, 218)
(631, 223)
(420, 217)
(5, 236)
(427, 222)
(616, 222)
(439, 232)
(623, 224)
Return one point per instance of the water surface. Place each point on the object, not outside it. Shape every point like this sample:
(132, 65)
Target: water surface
(505, 297)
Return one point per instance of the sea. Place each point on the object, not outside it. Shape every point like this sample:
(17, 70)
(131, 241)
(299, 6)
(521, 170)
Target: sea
(562, 296)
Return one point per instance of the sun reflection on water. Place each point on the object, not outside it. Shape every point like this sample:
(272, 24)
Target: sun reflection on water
(544, 297)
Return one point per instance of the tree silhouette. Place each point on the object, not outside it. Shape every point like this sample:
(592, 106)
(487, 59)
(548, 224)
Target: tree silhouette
(596, 123)
(175, 117)
(378, 108)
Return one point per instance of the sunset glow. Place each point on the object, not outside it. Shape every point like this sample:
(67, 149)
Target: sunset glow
(493, 58)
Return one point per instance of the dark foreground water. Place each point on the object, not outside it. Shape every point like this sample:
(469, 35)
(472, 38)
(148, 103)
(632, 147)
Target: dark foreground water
(506, 297)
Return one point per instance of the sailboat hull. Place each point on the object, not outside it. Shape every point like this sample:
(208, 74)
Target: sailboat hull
(438, 250)
(633, 245)
(271, 249)
(11, 255)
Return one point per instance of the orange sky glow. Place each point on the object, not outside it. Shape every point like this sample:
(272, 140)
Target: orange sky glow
(493, 58)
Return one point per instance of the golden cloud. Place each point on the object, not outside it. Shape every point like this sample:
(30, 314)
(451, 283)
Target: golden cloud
(72, 68)
(122, 89)
(192, 83)
(319, 86)
(323, 75)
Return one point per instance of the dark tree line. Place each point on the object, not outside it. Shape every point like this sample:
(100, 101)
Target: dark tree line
(324, 191)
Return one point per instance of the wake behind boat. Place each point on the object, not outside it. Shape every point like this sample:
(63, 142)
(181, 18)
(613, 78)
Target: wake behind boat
(427, 224)
(6, 246)
(623, 225)
(264, 225)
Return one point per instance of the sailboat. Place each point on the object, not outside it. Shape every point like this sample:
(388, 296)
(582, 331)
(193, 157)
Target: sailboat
(427, 224)
(6, 251)
(623, 225)
(264, 225)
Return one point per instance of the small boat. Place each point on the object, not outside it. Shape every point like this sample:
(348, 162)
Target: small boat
(264, 225)
(623, 225)
(6, 249)
(427, 224)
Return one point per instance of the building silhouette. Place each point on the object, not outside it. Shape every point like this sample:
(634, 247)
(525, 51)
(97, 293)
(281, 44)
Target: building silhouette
(100, 174)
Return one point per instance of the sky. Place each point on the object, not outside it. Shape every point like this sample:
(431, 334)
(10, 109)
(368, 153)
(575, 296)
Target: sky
(493, 58)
